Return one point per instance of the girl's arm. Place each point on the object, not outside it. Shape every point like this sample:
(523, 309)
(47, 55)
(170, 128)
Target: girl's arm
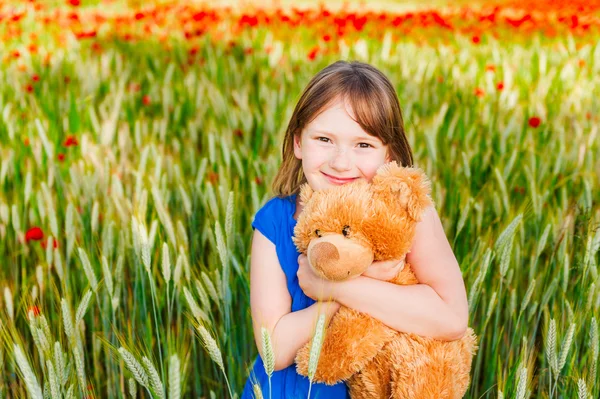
(271, 303)
(437, 307)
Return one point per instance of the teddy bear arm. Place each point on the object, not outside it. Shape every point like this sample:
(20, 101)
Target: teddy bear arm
(351, 341)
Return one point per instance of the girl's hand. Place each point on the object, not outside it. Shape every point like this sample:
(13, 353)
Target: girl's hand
(384, 270)
(312, 284)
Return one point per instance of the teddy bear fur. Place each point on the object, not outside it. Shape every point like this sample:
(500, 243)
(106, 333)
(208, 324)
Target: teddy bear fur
(344, 229)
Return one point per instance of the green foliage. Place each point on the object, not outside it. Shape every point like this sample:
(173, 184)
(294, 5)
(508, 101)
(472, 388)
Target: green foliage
(151, 209)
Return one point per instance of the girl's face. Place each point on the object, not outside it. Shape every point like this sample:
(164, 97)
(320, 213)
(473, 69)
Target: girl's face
(335, 150)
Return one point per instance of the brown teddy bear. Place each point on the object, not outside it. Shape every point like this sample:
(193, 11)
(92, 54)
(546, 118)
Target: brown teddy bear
(343, 230)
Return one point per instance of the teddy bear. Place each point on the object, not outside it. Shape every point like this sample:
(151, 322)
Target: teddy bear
(342, 230)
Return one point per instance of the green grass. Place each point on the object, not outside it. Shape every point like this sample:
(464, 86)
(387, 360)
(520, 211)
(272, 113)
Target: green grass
(178, 166)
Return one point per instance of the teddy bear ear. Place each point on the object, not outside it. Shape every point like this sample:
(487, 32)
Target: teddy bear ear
(305, 193)
(405, 187)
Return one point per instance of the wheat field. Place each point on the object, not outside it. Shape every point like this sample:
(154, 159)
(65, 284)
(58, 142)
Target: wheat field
(138, 140)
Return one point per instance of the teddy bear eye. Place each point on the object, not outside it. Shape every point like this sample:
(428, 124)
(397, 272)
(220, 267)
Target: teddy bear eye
(318, 232)
(346, 231)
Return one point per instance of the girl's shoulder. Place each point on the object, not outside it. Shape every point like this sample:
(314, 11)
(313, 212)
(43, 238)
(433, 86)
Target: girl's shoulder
(271, 217)
(278, 205)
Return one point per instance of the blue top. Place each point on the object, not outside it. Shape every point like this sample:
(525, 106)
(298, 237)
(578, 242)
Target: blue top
(275, 220)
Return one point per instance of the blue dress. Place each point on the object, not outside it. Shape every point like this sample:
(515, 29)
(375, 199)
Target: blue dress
(275, 220)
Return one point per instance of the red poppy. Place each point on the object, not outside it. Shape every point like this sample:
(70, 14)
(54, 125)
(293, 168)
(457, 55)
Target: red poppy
(534, 121)
(35, 309)
(35, 78)
(490, 67)
(71, 141)
(479, 92)
(16, 54)
(476, 39)
(313, 53)
(258, 180)
(326, 38)
(500, 86)
(249, 20)
(238, 133)
(29, 88)
(34, 233)
(26, 141)
(75, 3)
(61, 157)
(199, 16)
(359, 22)
(146, 100)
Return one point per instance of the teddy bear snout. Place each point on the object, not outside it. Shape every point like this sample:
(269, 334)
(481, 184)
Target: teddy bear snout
(337, 258)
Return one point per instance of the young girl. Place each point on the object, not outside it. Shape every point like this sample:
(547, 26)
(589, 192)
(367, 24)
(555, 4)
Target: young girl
(346, 124)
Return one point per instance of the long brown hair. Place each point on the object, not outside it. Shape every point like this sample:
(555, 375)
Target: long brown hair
(374, 103)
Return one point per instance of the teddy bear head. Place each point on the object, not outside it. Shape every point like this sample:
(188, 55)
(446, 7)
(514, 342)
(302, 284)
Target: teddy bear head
(343, 229)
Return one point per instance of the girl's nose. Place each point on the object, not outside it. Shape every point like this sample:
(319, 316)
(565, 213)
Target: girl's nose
(341, 161)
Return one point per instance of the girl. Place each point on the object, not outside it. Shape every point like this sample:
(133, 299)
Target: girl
(346, 124)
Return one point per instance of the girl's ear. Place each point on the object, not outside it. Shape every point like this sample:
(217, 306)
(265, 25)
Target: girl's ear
(298, 146)
(305, 193)
(406, 188)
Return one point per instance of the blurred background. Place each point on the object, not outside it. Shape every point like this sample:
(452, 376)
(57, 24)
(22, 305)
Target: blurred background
(139, 138)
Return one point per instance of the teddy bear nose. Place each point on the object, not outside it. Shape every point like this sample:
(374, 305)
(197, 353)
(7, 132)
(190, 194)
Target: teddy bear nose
(324, 252)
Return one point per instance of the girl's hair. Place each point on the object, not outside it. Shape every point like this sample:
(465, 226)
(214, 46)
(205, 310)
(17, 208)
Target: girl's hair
(374, 103)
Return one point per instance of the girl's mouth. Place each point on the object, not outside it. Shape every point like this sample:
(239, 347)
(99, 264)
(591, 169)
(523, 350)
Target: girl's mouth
(335, 180)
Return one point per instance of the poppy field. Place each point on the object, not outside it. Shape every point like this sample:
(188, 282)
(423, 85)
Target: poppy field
(138, 140)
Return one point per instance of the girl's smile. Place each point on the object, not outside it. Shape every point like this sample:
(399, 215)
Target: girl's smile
(338, 181)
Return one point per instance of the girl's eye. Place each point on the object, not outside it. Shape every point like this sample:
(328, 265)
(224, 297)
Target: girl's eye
(362, 145)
